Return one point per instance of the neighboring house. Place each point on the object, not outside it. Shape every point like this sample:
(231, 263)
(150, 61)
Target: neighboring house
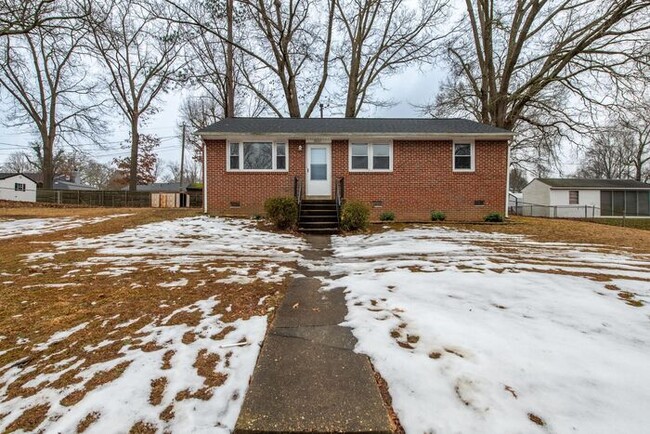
(579, 198)
(18, 187)
(62, 182)
(408, 166)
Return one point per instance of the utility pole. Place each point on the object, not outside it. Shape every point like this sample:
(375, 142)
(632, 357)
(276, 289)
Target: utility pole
(230, 76)
(180, 186)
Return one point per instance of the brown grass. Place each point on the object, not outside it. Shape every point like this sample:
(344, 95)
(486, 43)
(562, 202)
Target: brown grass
(103, 301)
(157, 390)
(30, 419)
(87, 421)
(570, 231)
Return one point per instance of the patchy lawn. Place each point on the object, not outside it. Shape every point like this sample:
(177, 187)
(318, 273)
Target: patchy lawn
(636, 223)
(134, 323)
(494, 332)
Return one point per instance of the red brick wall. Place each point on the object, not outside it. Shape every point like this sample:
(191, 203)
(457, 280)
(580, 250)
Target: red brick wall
(250, 189)
(422, 181)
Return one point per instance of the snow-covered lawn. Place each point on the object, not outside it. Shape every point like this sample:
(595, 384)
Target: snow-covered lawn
(10, 228)
(496, 333)
(173, 352)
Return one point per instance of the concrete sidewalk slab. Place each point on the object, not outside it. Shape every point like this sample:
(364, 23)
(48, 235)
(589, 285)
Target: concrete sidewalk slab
(308, 378)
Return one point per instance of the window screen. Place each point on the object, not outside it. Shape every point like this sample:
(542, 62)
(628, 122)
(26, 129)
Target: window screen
(462, 156)
(381, 157)
(359, 156)
(281, 156)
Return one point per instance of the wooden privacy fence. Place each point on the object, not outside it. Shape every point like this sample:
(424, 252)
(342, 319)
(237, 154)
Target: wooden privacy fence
(108, 198)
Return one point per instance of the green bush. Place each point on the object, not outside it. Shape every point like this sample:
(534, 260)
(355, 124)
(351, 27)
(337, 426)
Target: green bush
(282, 211)
(387, 216)
(354, 215)
(438, 216)
(494, 217)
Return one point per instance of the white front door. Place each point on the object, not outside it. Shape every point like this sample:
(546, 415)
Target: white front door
(319, 170)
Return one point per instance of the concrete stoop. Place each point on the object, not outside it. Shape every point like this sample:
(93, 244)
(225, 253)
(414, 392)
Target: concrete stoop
(308, 379)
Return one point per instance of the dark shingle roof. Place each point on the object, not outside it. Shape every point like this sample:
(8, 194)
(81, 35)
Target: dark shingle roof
(6, 175)
(593, 183)
(333, 126)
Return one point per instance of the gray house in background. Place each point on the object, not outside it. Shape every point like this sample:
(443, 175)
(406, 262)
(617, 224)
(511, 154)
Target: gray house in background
(161, 187)
(580, 198)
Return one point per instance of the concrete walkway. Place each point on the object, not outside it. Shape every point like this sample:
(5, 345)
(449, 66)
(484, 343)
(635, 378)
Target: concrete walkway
(307, 378)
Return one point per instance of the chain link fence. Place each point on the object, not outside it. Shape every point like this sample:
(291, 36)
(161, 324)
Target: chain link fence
(555, 211)
(107, 198)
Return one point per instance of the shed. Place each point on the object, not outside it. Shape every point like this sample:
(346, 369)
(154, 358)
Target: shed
(17, 187)
(579, 198)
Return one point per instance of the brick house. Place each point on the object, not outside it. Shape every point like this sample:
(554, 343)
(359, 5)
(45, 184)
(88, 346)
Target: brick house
(408, 166)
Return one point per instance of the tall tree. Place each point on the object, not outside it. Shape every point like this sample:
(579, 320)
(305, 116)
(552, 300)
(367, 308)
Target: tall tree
(283, 55)
(45, 73)
(379, 38)
(607, 157)
(514, 63)
(142, 57)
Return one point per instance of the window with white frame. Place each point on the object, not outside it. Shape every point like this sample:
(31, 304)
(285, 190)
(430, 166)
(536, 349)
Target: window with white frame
(257, 156)
(20, 186)
(371, 156)
(464, 157)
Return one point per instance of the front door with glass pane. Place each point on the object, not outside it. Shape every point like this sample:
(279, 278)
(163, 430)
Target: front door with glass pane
(319, 172)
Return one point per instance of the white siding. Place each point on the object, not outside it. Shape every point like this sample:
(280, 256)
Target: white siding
(537, 193)
(8, 192)
(588, 198)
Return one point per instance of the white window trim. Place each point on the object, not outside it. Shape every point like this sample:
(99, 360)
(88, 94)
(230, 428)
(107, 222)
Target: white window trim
(274, 159)
(472, 154)
(369, 143)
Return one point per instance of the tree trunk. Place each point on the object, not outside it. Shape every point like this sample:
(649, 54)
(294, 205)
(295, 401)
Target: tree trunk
(230, 80)
(133, 170)
(48, 164)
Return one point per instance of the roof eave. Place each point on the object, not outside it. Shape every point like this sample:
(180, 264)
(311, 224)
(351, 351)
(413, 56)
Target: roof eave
(392, 136)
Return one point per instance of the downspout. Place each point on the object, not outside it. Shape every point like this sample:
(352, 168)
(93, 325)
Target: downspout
(205, 177)
(508, 181)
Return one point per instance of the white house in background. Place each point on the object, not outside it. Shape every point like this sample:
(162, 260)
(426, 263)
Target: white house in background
(582, 198)
(18, 187)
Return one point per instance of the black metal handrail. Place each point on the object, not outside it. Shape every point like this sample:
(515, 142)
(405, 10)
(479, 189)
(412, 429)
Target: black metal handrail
(339, 192)
(297, 191)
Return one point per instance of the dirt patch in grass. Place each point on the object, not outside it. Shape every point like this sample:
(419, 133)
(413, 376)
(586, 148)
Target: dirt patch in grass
(536, 419)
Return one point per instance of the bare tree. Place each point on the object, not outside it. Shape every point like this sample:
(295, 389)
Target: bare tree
(285, 45)
(607, 157)
(18, 17)
(45, 74)
(17, 162)
(514, 63)
(142, 57)
(379, 38)
(633, 120)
